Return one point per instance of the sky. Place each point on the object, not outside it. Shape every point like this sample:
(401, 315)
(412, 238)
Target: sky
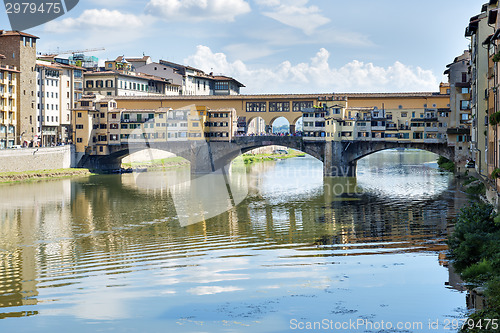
(277, 46)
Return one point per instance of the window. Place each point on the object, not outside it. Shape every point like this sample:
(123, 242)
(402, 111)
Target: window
(279, 106)
(79, 115)
(79, 126)
(464, 105)
(89, 84)
(109, 83)
(221, 86)
(79, 140)
(299, 106)
(113, 116)
(256, 107)
(99, 84)
(465, 90)
(400, 107)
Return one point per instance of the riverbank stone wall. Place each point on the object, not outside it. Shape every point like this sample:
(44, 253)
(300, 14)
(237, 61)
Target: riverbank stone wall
(32, 159)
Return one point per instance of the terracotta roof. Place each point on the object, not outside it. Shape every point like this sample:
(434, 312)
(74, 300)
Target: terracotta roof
(170, 64)
(289, 96)
(49, 65)
(227, 78)
(137, 75)
(16, 33)
(144, 58)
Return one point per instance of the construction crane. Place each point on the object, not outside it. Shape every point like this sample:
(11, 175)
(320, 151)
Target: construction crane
(74, 51)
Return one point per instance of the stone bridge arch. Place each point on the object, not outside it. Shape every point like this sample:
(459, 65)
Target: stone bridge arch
(223, 153)
(358, 150)
(345, 155)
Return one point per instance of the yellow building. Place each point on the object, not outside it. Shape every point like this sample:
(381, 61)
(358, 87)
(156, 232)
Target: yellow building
(91, 123)
(221, 124)
(98, 125)
(8, 104)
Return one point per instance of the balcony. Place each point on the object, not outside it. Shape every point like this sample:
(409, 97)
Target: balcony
(432, 129)
(458, 131)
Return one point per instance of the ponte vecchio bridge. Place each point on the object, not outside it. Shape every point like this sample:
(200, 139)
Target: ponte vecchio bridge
(410, 120)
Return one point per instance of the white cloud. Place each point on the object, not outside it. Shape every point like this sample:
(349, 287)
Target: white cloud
(197, 10)
(96, 19)
(295, 13)
(99, 27)
(317, 76)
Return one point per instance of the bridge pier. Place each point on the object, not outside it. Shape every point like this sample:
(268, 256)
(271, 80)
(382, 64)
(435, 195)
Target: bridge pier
(335, 163)
(99, 163)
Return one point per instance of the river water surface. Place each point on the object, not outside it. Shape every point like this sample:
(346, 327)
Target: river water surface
(106, 253)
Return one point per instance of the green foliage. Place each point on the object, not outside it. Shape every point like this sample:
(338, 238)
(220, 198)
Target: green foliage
(477, 189)
(481, 317)
(495, 118)
(479, 272)
(475, 252)
(446, 164)
(469, 180)
(495, 173)
(493, 293)
(496, 57)
(467, 242)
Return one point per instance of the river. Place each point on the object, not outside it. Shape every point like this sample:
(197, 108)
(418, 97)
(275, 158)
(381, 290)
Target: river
(284, 249)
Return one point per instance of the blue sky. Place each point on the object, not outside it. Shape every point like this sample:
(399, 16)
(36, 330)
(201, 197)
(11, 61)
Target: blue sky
(277, 46)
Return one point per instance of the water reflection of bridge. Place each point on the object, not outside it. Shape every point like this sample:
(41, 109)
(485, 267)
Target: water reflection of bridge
(47, 240)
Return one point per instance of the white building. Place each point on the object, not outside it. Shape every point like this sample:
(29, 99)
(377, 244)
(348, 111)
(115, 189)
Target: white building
(116, 83)
(48, 78)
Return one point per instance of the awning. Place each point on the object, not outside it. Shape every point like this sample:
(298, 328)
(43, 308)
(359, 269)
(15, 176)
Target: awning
(496, 35)
(487, 41)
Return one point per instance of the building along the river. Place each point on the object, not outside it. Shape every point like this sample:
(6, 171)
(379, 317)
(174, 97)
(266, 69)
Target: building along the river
(333, 119)
(459, 129)
(478, 30)
(19, 50)
(98, 124)
(8, 104)
(490, 55)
